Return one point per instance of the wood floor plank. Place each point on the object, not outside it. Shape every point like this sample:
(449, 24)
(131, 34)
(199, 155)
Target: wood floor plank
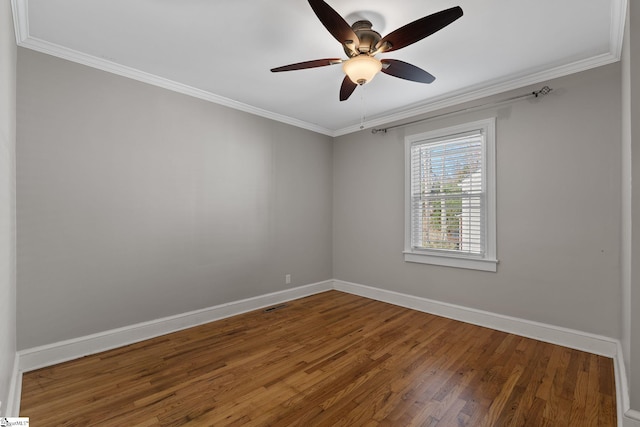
(332, 359)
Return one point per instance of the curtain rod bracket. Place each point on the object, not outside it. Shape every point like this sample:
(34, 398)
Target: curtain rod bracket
(542, 92)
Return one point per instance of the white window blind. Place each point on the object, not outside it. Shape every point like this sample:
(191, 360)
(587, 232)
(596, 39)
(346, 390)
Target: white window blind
(448, 195)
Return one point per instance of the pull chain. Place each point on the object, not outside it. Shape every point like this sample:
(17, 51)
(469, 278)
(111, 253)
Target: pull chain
(362, 107)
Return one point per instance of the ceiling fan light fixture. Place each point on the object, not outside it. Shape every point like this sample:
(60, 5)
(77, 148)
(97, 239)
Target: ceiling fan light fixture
(361, 44)
(362, 68)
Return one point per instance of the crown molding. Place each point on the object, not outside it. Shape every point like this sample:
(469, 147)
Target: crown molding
(616, 38)
(20, 19)
(24, 39)
(618, 20)
(474, 93)
(142, 76)
(618, 14)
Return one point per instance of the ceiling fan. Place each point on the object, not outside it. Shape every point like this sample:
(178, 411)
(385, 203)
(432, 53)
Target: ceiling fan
(361, 44)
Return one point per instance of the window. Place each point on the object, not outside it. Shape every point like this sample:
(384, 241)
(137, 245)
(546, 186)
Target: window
(450, 197)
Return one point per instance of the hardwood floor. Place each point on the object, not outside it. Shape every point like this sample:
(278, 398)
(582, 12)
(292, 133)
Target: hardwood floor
(332, 359)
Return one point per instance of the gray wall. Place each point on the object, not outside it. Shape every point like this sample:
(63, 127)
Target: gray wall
(631, 205)
(137, 203)
(7, 202)
(559, 207)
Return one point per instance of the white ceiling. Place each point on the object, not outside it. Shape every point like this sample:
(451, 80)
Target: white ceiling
(222, 50)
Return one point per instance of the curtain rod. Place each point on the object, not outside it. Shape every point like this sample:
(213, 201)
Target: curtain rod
(536, 93)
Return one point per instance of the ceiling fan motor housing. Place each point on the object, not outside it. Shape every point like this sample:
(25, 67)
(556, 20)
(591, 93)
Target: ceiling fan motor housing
(362, 44)
(368, 38)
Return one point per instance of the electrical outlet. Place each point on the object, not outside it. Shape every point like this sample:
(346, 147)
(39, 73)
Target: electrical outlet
(287, 279)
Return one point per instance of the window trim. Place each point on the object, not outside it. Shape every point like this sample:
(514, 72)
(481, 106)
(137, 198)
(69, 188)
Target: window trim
(488, 262)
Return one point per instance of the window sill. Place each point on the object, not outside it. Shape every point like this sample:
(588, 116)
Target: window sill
(452, 261)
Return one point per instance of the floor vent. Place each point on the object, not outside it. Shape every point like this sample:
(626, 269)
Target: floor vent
(274, 308)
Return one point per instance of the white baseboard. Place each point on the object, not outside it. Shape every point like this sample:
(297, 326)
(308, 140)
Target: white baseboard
(12, 409)
(578, 340)
(622, 388)
(631, 418)
(51, 354)
(38, 357)
(62, 351)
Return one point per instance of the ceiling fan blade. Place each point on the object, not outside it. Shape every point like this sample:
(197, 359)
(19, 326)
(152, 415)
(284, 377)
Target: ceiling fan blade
(308, 64)
(333, 22)
(417, 30)
(347, 88)
(404, 70)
